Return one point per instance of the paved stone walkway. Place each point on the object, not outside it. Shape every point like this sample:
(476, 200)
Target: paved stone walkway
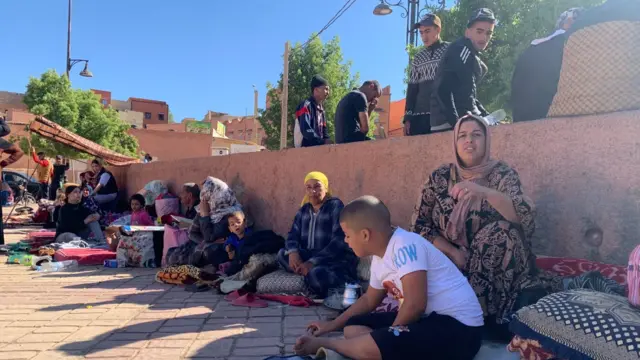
(100, 313)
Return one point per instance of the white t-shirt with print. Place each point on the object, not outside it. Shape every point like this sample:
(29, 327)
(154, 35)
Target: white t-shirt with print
(448, 291)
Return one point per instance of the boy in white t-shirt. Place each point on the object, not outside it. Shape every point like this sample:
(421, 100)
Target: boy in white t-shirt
(439, 317)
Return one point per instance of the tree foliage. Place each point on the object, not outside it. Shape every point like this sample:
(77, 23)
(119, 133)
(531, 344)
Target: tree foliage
(305, 62)
(78, 111)
(519, 22)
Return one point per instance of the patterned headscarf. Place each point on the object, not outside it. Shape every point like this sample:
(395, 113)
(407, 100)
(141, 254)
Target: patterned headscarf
(152, 190)
(456, 229)
(221, 199)
(316, 175)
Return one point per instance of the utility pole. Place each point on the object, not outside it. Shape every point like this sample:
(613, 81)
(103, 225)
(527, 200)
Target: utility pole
(67, 64)
(285, 98)
(255, 114)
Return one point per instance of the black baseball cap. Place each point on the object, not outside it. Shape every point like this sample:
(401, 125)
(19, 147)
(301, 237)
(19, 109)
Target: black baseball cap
(428, 20)
(482, 14)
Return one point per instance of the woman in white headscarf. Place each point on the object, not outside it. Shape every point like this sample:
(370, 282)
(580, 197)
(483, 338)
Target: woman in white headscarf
(209, 229)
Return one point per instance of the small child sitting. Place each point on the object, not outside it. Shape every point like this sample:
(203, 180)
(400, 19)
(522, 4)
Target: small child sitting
(238, 228)
(139, 216)
(439, 317)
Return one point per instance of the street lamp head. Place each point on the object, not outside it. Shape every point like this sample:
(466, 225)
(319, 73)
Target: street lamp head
(382, 9)
(85, 72)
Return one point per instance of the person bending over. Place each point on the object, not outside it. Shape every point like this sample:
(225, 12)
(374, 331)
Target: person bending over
(439, 317)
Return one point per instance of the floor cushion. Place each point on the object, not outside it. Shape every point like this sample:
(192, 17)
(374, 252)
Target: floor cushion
(569, 267)
(281, 282)
(581, 324)
(85, 256)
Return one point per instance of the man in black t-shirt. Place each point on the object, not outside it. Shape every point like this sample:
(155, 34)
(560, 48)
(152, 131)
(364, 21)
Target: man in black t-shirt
(353, 111)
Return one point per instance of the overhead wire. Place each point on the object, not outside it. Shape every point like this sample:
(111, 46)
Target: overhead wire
(335, 17)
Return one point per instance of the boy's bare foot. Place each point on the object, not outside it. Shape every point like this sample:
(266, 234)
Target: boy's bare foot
(306, 345)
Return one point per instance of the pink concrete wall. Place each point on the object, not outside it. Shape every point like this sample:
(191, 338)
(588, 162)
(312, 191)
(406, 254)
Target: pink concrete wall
(583, 174)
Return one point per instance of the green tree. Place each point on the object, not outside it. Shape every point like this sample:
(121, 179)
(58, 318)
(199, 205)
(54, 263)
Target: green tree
(372, 125)
(519, 22)
(305, 62)
(78, 111)
(171, 120)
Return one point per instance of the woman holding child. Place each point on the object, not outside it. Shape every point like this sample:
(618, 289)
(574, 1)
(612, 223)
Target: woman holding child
(210, 227)
(476, 212)
(315, 247)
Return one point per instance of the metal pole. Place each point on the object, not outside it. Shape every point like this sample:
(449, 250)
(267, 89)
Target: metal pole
(255, 115)
(1, 216)
(413, 13)
(68, 64)
(285, 98)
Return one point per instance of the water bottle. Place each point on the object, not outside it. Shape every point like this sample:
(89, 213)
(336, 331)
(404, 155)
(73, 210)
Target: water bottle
(66, 265)
(37, 260)
(495, 117)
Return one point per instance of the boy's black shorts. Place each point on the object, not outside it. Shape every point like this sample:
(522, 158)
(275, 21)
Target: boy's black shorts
(432, 337)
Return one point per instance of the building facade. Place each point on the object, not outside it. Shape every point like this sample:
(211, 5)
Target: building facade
(136, 111)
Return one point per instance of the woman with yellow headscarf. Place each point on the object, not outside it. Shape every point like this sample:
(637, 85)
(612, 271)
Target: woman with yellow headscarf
(315, 247)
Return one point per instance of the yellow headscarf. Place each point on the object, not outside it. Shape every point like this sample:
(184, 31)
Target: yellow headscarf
(316, 175)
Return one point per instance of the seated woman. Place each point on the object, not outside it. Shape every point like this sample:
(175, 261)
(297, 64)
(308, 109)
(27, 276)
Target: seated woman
(209, 229)
(106, 191)
(315, 247)
(476, 212)
(75, 220)
(135, 249)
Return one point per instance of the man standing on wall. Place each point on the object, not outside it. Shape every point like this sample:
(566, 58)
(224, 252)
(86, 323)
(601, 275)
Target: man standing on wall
(44, 172)
(460, 72)
(537, 72)
(59, 169)
(311, 123)
(422, 75)
(354, 110)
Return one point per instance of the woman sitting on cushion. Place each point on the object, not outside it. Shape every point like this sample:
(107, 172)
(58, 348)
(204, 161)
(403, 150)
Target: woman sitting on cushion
(315, 247)
(210, 228)
(476, 212)
(75, 220)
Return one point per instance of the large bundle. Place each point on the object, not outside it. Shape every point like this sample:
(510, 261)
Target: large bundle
(54, 132)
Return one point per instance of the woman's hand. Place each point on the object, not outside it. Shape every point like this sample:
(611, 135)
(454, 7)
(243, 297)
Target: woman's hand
(305, 268)
(467, 189)
(295, 261)
(319, 327)
(205, 209)
(459, 257)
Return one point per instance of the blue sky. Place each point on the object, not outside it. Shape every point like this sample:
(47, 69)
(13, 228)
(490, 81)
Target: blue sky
(197, 55)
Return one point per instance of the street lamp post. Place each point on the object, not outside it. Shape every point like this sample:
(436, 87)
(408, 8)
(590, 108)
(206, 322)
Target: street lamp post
(411, 12)
(70, 62)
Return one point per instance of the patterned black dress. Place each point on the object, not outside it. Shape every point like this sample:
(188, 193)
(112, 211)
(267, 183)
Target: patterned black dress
(500, 261)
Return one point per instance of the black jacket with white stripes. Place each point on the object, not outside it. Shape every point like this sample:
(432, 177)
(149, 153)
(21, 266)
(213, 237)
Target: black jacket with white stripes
(455, 85)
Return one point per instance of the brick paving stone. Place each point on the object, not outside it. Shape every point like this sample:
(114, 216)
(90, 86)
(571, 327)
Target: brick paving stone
(226, 321)
(268, 311)
(91, 333)
(184, 322)
(299, 321)
(40, 346)
(17, 355)
(245, 358)
(87, 316)
(113, 323)
(299, 311)
(195, 312)
(145, 326)
(159, 354)
(78, 323)
(169, 336)
(262, 351)
(269, 319)
(109, 344)
(179, 329)
(251, 342)
(230, 313)
(295, 331)
(119, 353)
(60, 355)
(29, 324)
(170, 314)
(220, 334)
(179, 344)
(208, 348)
(35, 338)
(118, 314)
(128, 336)
(262, 329)
(53, 328)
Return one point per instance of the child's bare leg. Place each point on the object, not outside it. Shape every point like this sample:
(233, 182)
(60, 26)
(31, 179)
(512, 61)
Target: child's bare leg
(359, 348)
